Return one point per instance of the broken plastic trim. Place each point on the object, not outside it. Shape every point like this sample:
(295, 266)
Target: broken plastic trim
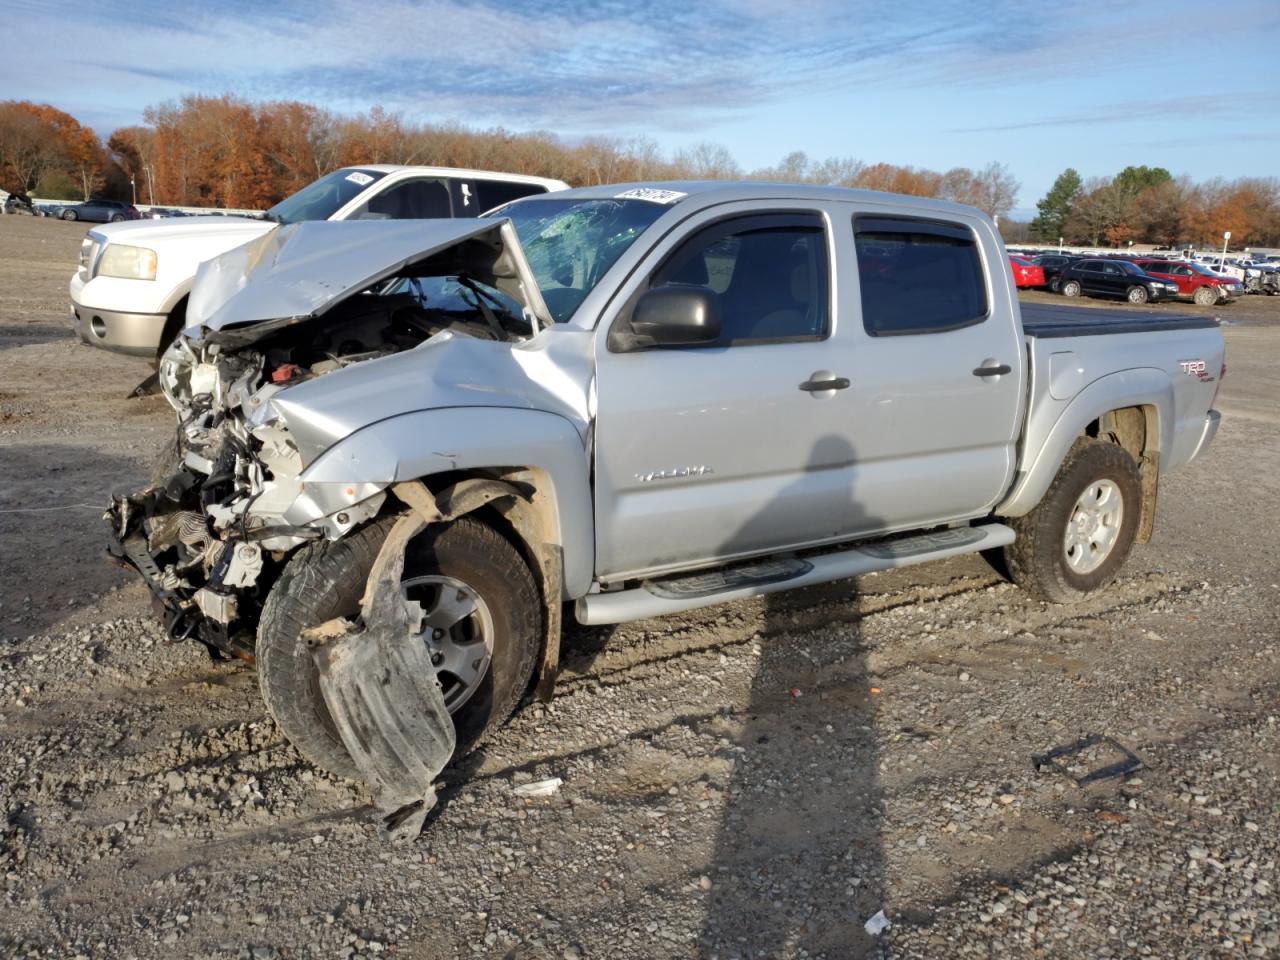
(381, 690)
(1047, 761)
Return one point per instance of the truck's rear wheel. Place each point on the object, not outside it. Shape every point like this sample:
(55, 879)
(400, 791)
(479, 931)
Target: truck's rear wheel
(1071, 288)
(482, 620)
(1206, 296)
(1076, 539)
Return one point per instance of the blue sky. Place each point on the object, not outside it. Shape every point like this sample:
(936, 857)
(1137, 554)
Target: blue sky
(1190, 86)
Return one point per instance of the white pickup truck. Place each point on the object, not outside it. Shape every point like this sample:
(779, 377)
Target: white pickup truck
(130, 292)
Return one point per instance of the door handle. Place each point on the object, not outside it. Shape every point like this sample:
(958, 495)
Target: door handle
(998, 370)
(830, 383)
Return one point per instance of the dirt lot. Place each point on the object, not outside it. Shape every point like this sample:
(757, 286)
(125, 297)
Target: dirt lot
(150, 809)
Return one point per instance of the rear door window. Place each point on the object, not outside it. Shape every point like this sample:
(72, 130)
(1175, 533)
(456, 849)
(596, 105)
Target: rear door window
(918, 276)
(421, 199)
(494, 193)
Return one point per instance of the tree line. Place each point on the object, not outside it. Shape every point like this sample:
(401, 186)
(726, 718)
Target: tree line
(227, 152)
(1149, 205)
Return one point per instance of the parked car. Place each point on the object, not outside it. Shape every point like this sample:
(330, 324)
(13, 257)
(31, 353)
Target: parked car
(464, 414)
(1194, 280)
(1114, 278)
(1026, 273)
(130, 293)
(1052, 264)
(49, 210)
(159, 213)
(101, 211)
(18, 203)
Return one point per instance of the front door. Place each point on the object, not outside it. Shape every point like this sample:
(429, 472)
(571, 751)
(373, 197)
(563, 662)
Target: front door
(715, 451)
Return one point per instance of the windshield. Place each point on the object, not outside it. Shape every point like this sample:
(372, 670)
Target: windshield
(1201, 269)
(1132, 268)
(570, 244)
(322, 199)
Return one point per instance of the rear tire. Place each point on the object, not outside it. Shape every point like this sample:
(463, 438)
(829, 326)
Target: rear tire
(326, 580)
(1071, 288)
(1076, 539)
(1138, 294)
(1205, 296)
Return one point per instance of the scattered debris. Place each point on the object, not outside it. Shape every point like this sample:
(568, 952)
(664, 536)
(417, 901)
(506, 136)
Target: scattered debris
(381, 690)
(878, 924)
(538, 788)
(1048, 760)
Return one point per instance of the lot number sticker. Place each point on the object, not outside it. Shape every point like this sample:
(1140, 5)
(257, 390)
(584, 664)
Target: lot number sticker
(652, 194)
(361, 178)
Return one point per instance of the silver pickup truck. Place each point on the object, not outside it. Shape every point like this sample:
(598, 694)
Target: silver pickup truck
(406, 449)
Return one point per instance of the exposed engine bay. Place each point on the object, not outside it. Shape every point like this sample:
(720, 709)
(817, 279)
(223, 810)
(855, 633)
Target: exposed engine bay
(212, 535)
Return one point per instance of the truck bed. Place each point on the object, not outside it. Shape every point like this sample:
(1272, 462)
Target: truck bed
(1045, 321)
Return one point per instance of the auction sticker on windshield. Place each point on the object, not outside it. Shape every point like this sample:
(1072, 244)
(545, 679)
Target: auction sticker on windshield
(361, 178)
(652, 194)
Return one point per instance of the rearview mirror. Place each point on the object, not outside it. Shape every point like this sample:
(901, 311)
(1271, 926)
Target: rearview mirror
(675, 315)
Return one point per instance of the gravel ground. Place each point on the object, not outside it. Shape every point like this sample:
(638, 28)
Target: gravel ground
(754, 780)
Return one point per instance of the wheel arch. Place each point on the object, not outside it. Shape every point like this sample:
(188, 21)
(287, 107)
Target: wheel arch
(1125, 408)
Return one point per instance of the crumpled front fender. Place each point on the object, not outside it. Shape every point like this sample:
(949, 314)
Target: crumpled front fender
(419, 445)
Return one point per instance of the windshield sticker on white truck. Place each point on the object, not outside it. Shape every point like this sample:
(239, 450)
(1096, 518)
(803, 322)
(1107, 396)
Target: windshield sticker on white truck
(652, 194)
(361, 178)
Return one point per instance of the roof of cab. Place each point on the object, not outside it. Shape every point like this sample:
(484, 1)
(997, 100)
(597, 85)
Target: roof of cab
(548, 182)
(724, 191)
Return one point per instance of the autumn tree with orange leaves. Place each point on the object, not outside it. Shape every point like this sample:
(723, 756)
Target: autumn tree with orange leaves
(38, 141)
(224, 151)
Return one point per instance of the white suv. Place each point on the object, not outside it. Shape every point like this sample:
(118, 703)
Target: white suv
(129, 294)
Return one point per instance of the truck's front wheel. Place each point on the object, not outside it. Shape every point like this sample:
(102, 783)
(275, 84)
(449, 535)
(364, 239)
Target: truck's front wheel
(481, 622)
(1077, 538)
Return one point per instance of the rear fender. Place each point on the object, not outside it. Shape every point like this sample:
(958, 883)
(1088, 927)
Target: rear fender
(1140, 387)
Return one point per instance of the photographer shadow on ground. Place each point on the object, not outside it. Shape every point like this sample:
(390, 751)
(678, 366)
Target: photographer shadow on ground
(797, 864)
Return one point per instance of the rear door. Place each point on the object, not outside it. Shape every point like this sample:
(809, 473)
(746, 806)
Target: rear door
(937, 371)
(1090, 274)
(1113, 281)
(416, 198)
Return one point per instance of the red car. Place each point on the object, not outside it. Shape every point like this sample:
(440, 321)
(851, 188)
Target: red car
(1026, 273)
(1194, 280)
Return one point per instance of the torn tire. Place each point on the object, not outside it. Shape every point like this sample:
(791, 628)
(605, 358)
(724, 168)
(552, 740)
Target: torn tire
(326, 580)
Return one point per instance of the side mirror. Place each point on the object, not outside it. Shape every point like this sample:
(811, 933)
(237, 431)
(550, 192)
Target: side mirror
(675, 315)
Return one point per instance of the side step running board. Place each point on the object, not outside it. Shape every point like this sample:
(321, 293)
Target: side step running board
(656, 598)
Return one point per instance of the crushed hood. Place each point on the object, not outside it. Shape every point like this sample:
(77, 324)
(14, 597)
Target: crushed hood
(302, 270)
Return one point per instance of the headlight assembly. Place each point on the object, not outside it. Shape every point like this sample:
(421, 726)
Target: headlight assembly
(130, 263)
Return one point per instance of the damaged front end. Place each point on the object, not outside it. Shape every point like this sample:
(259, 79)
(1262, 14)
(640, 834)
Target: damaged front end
(211, 535)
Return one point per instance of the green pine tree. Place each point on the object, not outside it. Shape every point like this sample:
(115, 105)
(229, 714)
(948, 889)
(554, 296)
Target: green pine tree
(1055, 206)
